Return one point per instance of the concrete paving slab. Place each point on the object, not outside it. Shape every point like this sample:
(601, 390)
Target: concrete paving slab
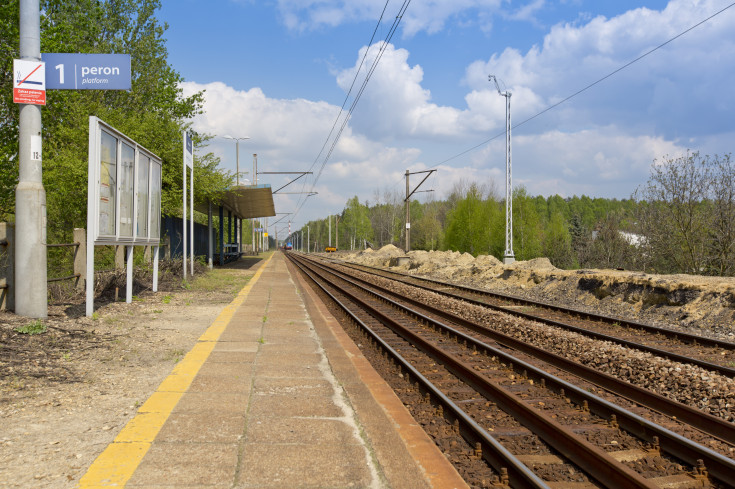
(241, 357)
(304, 387)
(289, 358)
(224, 402)
(286, 372)
(181, 464)
(218, 383)
(202, 427)
(249, 334)
(226, 370)
(301, 431)
(294, 466)
(292, 405)
(243, 346)
(295, 348)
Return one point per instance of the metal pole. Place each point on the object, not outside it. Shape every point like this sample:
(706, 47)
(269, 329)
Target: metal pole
(508, 258)
(210, 250)
(31, 293)
(255, 181)
(308, 238)
(237, 159)
(408, 218)
(191, 209)
(183, 216)
(330, 230)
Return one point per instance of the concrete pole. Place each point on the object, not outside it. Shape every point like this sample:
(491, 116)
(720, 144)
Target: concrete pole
(308, 239)
(330, 230)
(31, 287)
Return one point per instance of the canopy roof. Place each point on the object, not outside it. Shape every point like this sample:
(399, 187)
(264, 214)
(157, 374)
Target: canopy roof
(247, 201)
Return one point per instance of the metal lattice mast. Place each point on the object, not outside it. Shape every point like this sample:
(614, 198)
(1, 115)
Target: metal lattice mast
(508, 256)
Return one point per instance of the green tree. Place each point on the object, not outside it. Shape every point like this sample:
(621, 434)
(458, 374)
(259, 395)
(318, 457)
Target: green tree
(558, 242)
(355, 224)
(154, 112)
(469, 223)
(527, 230)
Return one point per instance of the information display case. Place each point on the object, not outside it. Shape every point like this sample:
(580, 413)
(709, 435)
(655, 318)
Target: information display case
(125, 188)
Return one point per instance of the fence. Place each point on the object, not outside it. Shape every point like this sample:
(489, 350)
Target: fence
(7, 271)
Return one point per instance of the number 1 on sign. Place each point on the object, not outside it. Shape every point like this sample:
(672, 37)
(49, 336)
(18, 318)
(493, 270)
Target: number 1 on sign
(61, 73)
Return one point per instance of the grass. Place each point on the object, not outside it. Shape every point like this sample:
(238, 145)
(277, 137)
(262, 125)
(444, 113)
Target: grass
(175, 355)
(34, 327)
(231, 281)
(261, 340)
(166, 299)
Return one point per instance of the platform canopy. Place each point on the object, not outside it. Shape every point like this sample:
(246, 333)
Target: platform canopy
(247, 201)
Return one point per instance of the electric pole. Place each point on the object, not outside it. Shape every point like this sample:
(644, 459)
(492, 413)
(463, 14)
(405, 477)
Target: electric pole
(31, 287)
(508, 257)
(407, 200)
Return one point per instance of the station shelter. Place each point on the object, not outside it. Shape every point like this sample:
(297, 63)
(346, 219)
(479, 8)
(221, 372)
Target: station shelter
(235, 205)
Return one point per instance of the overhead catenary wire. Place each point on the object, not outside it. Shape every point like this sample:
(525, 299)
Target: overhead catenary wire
(582, 90)
(299, 202)
(335, 139)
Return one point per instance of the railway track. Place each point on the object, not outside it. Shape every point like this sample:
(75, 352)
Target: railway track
(709, 353)
(532, 427)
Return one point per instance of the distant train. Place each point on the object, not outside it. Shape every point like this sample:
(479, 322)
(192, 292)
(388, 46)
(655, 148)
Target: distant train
(330, 249)
(288, 246)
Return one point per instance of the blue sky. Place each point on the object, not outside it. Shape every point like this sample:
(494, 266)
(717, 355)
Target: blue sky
(278, 71)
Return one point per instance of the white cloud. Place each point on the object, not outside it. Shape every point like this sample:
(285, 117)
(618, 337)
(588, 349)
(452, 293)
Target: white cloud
(395, 106)
(679, 91)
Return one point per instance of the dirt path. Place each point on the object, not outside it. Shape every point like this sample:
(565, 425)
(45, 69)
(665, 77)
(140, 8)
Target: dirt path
(65, 393)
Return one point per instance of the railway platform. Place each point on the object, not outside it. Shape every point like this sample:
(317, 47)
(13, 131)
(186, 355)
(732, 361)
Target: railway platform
(273, 395)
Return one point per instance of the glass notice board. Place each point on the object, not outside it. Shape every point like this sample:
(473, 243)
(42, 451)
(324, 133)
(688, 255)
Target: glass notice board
(124, 189)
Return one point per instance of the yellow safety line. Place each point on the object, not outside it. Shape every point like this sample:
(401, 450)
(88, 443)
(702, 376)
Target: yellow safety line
(117, 463)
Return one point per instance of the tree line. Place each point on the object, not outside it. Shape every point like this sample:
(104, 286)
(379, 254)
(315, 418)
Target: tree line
(682, 220)
(154, 112)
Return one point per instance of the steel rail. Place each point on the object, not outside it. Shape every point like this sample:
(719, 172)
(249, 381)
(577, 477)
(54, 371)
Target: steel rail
(727, 371)
(680, 335)
(719, 466)
(594, 461)
(492, 451)
(712, 425)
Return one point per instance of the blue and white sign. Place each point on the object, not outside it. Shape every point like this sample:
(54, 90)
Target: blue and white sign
(70, 71)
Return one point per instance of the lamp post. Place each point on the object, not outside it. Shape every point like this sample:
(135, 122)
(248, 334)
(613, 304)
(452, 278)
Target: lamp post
(237, 155)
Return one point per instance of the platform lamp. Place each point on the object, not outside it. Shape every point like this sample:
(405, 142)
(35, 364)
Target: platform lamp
(237, 155)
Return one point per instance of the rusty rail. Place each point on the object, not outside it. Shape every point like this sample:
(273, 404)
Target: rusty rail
(719, 466)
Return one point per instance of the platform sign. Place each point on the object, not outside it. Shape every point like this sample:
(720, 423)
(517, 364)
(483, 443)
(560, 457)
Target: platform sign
(75, 71)
(29, 82)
